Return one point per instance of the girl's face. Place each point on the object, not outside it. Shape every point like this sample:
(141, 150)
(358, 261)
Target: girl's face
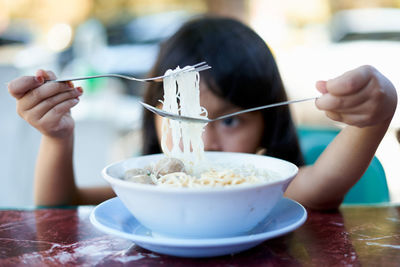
(242, 133)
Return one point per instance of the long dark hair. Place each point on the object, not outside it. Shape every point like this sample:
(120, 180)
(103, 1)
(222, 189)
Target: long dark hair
(243, 72)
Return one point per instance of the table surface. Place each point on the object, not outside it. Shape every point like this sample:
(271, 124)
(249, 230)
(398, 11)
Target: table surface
(352, 235)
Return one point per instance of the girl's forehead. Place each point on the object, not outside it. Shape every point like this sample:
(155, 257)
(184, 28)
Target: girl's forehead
(213, 103)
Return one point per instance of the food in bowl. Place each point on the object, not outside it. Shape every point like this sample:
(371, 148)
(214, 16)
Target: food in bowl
(188, 193)
(172, 172)
(182, 96)
(201, 212)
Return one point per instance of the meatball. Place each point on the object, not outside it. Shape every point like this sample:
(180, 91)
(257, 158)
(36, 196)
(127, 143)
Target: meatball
(168, 165)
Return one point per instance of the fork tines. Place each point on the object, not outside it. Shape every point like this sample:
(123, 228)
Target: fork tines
(198, 67)
(204, 67)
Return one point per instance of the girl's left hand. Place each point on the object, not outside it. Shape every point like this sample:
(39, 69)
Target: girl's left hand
(360, 97)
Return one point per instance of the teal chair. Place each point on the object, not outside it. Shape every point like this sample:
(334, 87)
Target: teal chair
(371, 188)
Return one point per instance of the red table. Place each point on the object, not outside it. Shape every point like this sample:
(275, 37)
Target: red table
(353, 235)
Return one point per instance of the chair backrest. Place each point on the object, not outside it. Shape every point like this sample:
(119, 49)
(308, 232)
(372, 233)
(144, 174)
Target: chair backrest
(371, 188)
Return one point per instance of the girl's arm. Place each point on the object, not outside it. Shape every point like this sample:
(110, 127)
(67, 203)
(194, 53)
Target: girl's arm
(46, 106)
(324, 184)
(54, 177)
(366, 101)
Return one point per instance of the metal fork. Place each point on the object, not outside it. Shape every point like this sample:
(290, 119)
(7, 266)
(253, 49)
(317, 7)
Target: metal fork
(178, 117)
(197, 67)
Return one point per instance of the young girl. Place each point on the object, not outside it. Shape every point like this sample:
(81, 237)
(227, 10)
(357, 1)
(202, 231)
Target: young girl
(243, 75)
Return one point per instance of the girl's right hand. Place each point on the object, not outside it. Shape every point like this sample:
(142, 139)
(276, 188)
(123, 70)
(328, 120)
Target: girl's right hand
(46, 105)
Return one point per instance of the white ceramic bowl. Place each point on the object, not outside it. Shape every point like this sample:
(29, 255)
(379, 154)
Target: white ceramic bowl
(200, 212)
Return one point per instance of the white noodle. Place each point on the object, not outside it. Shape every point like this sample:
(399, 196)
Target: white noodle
(216, 178)
(183, 87)
(182, 96)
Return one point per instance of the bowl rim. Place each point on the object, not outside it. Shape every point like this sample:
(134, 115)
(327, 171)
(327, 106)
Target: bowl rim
(166, 189)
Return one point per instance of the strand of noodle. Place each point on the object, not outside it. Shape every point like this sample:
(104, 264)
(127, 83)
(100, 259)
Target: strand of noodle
(182, 96)
(183, 87)
(212, 179)
(170, 104)
(188, 88)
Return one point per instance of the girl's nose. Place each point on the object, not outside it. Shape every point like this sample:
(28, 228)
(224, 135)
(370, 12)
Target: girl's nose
(210, 139)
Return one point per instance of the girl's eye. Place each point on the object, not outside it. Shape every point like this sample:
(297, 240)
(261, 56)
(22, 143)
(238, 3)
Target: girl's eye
(230, 122)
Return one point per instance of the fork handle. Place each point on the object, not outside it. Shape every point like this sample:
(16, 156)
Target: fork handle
(264, 107)
(88, 77)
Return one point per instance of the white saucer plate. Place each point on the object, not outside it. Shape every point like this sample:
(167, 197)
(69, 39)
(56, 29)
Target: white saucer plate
(113, 218)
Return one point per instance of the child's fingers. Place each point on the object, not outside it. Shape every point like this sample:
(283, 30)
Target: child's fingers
(46, 105)
(350, 82)
(20, 86)
(34, 97)
(354, 119)
(321, 87)
(47, 75)
(334, 115)
(55, 114)
(329, 102)
(367, 113)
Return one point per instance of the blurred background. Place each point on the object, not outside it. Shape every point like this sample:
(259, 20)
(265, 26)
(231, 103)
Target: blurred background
(311, 39)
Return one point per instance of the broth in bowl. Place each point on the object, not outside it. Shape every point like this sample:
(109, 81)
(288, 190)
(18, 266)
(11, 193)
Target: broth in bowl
(172, 172)
(188, 193)
(202, 212)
